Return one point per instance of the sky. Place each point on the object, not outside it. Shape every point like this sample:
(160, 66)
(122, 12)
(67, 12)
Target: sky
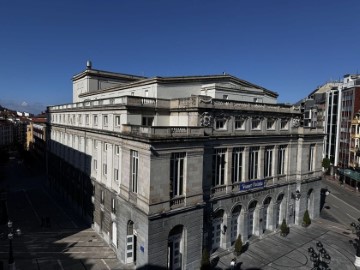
(290, 47)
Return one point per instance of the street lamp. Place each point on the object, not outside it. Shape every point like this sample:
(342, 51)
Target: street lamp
(320, 258)
(10, 237)
(355, 228)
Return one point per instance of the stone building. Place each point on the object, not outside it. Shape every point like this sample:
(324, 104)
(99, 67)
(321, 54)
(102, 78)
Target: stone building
(166, 166)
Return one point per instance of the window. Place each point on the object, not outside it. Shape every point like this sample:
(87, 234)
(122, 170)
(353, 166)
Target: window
(87, 119)
(281, 159)
(225, 96)
(218, 167)
(239, 123)
(117, 149)
(255, 123)
(134, 164)
(268, 162)
(105, 169)
(117, 120)
(253, 162)
(80, 119)
(220, 124)
(105, 120)
(102, 197)
(177, 174)
(237, 165)
(132, 93)
(146, 93)
(311, 157)
(116, 174)
(113, 207)
(284, 124)
(95, 120)
(95, 144)
(270, 123)
(95, 164)
(147, 121)
(106, 146)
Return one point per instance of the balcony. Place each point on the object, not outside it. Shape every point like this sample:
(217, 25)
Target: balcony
(111, 102)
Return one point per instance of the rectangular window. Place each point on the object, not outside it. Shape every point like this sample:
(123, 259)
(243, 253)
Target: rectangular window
(105, 169)
(105, 120)
(117, 120)
(255, 123)
(237, 165)
(177, 174)
(113, 207)
(270, 124)
(95, 120)
(218, 167)
(87, 119)
(106, 146)
(80, 119)
(268, 162)
(220, 124)
(239, 123)
(284, 124)
(225, 96)
(95, 144)
(134, 164)
(147, 121)
(117, 149)
(253, 162)
(311, 157)
(95, 164)
(102, 197)
(116, 174)
(281, 159)
(146, 93)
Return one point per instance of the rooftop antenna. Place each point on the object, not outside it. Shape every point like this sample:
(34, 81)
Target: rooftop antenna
(88, 64)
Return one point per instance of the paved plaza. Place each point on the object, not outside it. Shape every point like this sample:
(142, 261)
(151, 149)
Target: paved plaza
(281, 253)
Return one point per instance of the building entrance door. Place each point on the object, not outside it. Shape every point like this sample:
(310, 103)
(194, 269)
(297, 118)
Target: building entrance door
(175, 253)
(216, 233)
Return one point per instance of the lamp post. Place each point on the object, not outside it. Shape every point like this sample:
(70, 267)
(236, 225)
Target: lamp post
(355, 228)
(11, 260)
(320, 258)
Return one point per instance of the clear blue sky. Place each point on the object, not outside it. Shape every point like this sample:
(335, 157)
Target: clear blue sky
(289, 47)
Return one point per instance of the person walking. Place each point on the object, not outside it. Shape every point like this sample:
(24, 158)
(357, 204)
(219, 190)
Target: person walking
(233, 263)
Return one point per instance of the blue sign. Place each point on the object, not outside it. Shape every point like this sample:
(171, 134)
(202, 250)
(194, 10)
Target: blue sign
(252, 184)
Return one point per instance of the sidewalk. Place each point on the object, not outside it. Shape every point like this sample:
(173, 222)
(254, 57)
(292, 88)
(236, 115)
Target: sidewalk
(283, 253)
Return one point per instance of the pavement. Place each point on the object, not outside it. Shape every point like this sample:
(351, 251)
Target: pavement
(291, 252)
(69, 244)
(65, 243)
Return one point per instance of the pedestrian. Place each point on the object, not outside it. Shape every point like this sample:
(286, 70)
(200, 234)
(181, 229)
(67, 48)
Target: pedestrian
(233, 263)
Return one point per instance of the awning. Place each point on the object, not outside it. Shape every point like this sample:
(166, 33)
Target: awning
(354, 175)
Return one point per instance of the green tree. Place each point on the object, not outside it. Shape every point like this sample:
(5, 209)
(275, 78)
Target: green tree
(284, 229)
(238, 245)
(306, 219)
(326, 164)
(205, 260)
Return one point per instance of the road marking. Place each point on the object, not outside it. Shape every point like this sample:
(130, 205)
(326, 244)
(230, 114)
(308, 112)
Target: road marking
(105, 264)
(32, 206)
(350, 216)
(357, 210)
(59, 262)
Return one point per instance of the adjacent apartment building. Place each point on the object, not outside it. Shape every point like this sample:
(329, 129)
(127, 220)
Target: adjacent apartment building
(164, 167)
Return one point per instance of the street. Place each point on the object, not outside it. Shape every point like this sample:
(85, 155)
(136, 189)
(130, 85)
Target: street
(52, 235)
(342, 205)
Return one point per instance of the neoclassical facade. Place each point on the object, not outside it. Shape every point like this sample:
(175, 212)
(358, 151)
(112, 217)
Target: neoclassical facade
(165, 167)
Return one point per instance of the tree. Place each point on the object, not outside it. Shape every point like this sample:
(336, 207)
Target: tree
(326, 164)
(205, 260)
(238, 245)
(284, 229)
(306, 219)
